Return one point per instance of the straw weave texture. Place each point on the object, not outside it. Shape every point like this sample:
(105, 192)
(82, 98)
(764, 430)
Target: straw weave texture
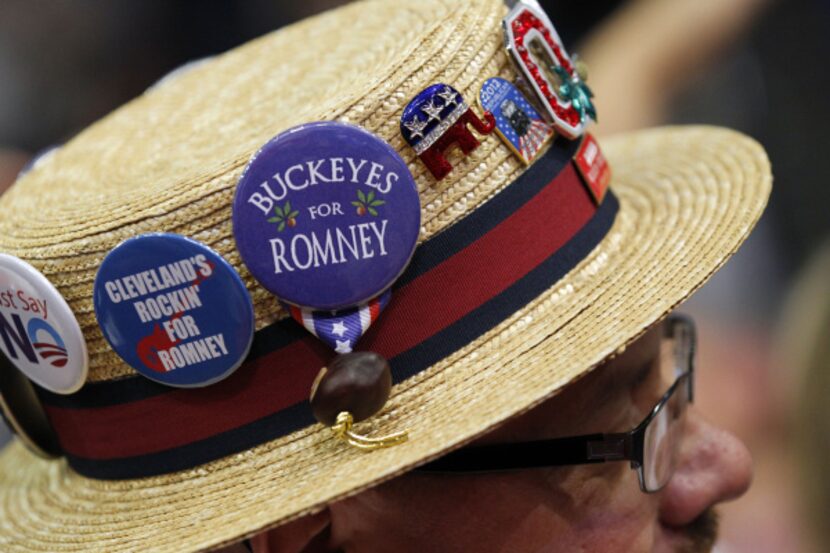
(169, 161)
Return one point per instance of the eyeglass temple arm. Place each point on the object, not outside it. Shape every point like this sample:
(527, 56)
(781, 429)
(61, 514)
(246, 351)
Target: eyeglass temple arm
(611, 447)
(577, 450)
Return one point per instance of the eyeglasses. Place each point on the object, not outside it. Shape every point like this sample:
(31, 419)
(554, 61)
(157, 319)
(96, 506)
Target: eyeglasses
(651, 446)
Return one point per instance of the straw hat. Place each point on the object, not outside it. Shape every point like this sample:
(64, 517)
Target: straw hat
(170, 160)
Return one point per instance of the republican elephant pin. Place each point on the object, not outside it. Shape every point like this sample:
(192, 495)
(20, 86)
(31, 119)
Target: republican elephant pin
(437, 118)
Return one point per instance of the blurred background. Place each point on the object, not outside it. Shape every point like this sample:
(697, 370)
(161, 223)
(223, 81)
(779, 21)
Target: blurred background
(753, 65)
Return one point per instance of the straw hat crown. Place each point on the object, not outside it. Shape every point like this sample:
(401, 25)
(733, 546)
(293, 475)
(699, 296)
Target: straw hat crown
(170, 159)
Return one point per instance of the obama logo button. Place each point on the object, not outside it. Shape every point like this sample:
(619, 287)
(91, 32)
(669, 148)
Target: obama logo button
(174, 310)
(38, 331)
(326, 216)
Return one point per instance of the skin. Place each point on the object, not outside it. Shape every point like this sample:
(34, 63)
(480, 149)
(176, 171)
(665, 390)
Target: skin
(567, 509)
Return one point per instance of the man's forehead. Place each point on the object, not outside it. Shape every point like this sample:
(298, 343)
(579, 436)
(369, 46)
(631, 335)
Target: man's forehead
(639, 352)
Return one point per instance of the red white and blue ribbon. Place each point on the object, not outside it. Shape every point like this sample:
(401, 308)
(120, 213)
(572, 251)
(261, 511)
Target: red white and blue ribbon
(121, 428)
(343, 328)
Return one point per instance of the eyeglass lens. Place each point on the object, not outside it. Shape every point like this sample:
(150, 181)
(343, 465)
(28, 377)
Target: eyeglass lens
(665, 431)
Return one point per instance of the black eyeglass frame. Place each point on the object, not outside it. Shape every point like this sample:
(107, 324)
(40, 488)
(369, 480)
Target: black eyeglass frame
(576, 450)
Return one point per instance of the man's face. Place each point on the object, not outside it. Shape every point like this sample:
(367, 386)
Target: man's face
(580, 508)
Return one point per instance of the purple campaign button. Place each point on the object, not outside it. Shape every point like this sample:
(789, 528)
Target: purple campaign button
(174, 309)
(326, 216)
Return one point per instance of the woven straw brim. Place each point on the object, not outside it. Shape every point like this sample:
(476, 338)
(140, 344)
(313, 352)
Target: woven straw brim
(689, 197)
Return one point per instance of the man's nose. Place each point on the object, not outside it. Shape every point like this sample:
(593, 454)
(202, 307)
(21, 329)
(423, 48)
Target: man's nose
(712, 466)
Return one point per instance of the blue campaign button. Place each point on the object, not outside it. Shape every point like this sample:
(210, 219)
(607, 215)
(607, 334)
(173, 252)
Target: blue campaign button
(326, 216)
(174, 309)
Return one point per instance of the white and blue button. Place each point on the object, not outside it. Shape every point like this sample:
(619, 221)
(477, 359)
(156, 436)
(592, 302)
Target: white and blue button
(326, 216)
(38, 331)
(174, 310)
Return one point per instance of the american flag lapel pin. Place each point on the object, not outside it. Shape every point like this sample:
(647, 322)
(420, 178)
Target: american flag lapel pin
(518, 123)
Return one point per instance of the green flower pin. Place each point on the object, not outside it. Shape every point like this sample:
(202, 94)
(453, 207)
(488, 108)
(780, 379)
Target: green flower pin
(284, 216)
(574, 90)
(367, 203)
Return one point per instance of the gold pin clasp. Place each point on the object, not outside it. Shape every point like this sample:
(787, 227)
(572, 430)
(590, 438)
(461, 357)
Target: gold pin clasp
(352, 388)
(343, 430)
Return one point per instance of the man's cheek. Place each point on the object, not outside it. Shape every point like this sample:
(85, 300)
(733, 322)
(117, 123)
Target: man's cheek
(609, 511)
(626, 524)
